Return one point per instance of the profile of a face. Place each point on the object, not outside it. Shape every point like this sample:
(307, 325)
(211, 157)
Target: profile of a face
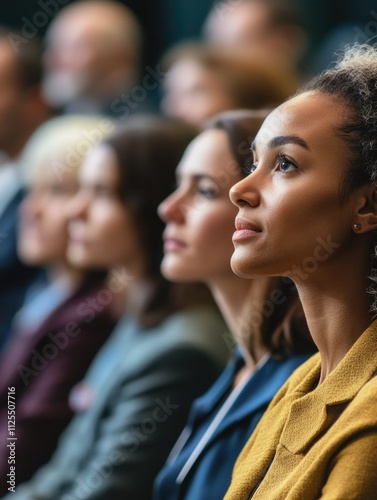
(194, 93)
(291, 212)
(102, 233)
(43, 229)
(199, 215)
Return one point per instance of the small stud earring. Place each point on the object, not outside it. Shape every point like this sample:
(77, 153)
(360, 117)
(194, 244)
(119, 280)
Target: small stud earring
(356, 226)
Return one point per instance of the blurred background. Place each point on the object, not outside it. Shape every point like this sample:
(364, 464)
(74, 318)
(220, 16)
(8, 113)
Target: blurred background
(166, 22)
(71, 74)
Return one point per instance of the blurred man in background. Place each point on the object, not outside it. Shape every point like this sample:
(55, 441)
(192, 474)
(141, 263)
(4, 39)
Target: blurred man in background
(22, 110)
(270, 28)
(92, 57)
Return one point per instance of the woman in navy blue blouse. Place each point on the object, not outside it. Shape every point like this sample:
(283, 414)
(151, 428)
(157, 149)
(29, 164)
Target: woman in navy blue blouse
(264, 315)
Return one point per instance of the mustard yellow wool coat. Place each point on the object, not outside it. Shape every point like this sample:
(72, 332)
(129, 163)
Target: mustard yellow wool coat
(317, 442)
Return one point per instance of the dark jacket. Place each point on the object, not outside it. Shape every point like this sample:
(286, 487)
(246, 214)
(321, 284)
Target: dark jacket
(140, 388)
(43, 366)
(15, 277)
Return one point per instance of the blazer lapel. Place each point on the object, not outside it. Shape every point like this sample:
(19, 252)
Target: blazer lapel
(340, 387)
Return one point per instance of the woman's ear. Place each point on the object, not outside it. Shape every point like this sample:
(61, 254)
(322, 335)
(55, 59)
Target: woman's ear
(366, 210)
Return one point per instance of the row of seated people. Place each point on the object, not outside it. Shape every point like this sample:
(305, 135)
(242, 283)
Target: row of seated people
(295, 173)
(48, 349)
(170, 343)
(89, 68)
(124, 395)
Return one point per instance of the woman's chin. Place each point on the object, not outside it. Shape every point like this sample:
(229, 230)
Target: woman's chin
(241, 266)
(176, 273)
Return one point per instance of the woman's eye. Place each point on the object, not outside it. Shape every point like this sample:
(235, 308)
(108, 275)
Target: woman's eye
(285, 165)
(59, 190)
(249, 167)
(207, 192)
(103, 192)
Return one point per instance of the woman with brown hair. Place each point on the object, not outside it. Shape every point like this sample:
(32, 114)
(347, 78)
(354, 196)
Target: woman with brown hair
(264, 316)
(166, 351)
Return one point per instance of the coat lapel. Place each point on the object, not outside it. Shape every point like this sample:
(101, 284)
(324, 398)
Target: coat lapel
(340, 387)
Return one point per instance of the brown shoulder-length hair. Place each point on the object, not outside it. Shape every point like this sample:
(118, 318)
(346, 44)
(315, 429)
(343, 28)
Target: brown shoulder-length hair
(148, 149)
(274, 315)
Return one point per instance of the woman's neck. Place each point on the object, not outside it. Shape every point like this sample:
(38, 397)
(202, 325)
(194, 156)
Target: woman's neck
(132, 290)
(65, 274)
(337, 312)
(230, 295)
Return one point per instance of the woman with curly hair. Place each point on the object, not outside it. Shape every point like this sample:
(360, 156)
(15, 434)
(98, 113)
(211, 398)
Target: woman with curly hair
(308, 210)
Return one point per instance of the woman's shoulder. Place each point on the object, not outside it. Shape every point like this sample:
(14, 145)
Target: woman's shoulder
(199, 327)
(364, 403)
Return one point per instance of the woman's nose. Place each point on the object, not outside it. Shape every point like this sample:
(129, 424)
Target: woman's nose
(77, 206)
(170, 210)
(245, 192)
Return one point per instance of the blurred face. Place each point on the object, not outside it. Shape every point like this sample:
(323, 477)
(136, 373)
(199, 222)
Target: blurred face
(43, 234)
(101, 229)
(244, 25)
(193, 93)
(199, 215)
(12, 99)
(291, 214)
(75, 60)
(248, 26)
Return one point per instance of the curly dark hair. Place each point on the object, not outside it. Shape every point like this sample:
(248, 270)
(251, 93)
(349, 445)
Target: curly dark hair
(353, 82)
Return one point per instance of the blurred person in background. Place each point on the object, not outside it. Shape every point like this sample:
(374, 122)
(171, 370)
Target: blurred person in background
(22, 110)
(264, 316)
(92, 58)
(167, 348)
(55, 335)
(270, 28)
(202, 81)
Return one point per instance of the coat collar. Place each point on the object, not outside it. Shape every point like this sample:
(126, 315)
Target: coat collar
(357, 367)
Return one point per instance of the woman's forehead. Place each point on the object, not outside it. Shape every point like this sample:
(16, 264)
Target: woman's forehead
(312, 116)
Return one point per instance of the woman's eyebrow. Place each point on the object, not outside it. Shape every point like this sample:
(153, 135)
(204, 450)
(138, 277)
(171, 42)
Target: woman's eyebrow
(281, 140)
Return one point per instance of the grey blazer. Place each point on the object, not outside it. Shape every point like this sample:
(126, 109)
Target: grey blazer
(142, 385)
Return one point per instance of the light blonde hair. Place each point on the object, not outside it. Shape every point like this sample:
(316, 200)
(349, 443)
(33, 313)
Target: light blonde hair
(62, 143)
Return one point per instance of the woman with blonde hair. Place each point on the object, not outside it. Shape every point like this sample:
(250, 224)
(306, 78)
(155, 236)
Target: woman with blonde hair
(54, 338)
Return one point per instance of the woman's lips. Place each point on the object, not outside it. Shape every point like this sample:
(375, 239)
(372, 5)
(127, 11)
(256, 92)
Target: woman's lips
(76, 238)
(245, 229)
(173, 244)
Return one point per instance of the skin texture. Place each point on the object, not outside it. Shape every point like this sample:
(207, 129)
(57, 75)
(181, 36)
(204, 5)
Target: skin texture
(200, 219)
(101, 229)
(303, 226)
(43, 235)
(200, 222)
(290, 186)
(194, 93)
